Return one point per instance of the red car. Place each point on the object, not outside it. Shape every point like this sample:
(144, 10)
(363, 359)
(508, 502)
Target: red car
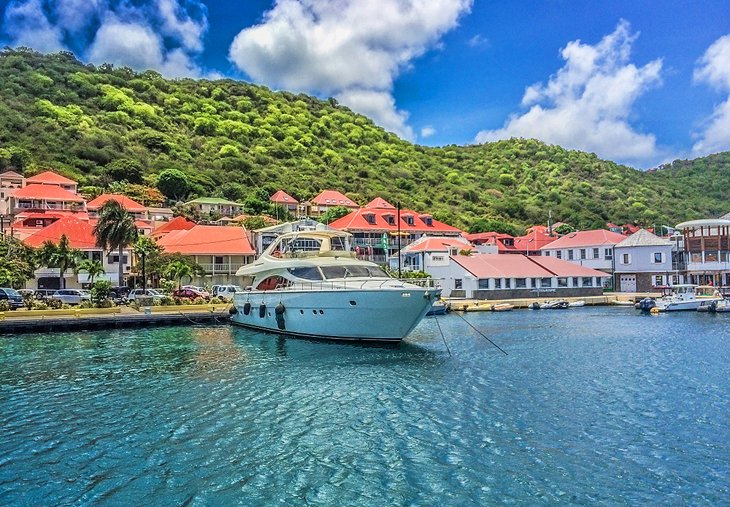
(189, 293)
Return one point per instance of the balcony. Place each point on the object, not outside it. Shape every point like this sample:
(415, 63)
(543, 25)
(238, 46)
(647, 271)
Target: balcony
(222, 269)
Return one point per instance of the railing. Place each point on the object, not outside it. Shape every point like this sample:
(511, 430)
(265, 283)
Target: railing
(222, 269)
(343, 285)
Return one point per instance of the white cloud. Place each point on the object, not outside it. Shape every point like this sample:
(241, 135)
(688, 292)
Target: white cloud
(714, 69)
(351, 49)
(588, 103)
(164, 35)
(427, 131)
(27, 25)
(478, 41)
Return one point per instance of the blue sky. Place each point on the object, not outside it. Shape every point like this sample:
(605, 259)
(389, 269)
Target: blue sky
(637, 82)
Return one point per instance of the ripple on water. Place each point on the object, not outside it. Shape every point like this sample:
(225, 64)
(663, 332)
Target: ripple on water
(590, 406)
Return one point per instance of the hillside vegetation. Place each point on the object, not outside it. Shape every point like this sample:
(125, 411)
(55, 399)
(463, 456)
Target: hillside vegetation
(100, 125)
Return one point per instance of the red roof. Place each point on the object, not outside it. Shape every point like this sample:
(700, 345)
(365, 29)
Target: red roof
(47, 192)
(176, 224)
(333, 198)
(50, 178)
(79, 233)
(593, 238)
(356, 221)
(536, 238)
(379, 203)
(127, 203)
(521, 266)
(207, 240)
(492, 238)
(438, 244)
(282, 197)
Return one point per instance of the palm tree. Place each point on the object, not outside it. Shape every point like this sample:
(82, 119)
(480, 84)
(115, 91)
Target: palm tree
(60, 256)
(177, 270)
(115, 230)
(93, 268)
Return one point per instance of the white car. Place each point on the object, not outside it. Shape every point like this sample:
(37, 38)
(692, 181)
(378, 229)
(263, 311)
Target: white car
(72, 296)
(227, 291)
(153, 293)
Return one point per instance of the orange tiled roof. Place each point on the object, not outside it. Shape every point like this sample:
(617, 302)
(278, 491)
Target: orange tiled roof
(207, 240)
(127, 203)
(176, 224)
(356, 221)
(79, 233)
(50, 178)
(595, 237)
(47, 192)
(333, 198)
(492, 238)
(282, 197)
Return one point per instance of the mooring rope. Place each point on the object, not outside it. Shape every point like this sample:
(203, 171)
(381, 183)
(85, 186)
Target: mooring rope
(482, 334)
(442, 335)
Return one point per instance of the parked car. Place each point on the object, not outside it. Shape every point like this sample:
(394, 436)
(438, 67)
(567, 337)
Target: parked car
(189, 292)
(72, 296)
(13, 297)
(26, 292)
(153, 293)
(44, 293)
(226, 291)
(204, 293)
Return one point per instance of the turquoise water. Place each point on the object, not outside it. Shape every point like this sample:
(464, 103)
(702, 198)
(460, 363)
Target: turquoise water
(591, 406)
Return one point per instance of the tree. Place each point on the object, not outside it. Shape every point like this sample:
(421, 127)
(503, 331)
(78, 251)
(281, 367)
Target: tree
(92, 268)
(174, 184)
(17, 262)
(115, 230)
(60, 256)
(177, 270)
(145, 248)
(333, 214)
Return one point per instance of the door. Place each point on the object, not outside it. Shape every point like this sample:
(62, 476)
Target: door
(627, 283)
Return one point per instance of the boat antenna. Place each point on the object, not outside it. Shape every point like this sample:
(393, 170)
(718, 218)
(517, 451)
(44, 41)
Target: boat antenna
(482, 334)
(398, 206)
(442, 335)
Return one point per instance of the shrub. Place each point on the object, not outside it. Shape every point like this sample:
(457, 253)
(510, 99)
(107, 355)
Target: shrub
(100, 292)
(199, 301)
(40, 305)
(55, 304)
(166, 301)
(85, 304)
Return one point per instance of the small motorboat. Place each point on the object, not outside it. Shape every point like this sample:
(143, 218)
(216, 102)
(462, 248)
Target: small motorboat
(716, 307)
(439, 308)
(557, 304)
(576, 304)
(502, 307)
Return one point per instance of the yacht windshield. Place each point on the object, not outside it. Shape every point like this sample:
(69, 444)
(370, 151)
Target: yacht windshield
(306, 272)
(334, 272)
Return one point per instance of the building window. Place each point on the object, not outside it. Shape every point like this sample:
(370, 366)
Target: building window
(608, 254)
(96, 256)
(114, 259)
(547, 253)
(658, 280)
(657, 257)
(626, 259)
(218, 260)
(497, 283)
(696, 257)
(570, 255)
(562, 282)
(546, 282)
(369, 218)
(483, 283)
(520, 283)
(575, 281)
(507, 283)
(587, 281)
(596, 253)
(582, 253)
(458, 283)
(710, 256)
(558, 254)
(675, 279)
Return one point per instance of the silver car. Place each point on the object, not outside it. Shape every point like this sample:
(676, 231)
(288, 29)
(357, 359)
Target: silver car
(72, 296)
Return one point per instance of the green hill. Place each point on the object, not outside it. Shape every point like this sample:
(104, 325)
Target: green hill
(231, 139)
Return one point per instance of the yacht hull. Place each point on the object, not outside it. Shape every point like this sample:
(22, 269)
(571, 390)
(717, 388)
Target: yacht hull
(383, 315)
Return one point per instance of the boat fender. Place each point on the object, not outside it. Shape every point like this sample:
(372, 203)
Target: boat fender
(279, 311)
(247, 308)
(262, 311)
(233, 310)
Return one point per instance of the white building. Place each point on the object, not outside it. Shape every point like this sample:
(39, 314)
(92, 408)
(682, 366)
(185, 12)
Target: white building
(643, 261)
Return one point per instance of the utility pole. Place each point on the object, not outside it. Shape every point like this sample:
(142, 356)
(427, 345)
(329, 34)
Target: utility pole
(398, 206)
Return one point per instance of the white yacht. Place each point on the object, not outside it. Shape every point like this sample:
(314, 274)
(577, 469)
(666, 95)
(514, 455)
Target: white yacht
(311, 284)
(685, 297)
